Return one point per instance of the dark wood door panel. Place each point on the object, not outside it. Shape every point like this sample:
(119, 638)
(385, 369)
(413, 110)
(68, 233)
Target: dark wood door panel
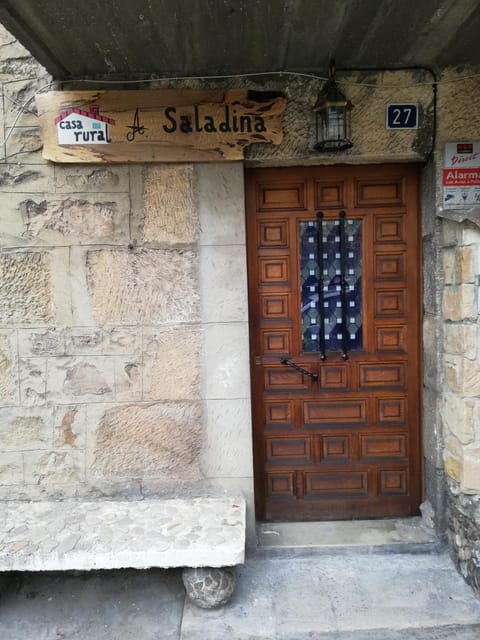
(340, 439)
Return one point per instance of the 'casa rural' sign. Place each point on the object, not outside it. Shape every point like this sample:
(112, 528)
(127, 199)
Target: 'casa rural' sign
(157, 125)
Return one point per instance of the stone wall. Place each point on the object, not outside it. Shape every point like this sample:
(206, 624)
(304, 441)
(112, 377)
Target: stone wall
(123, 320)
(459, 269)
(461, 393)
(100, 322)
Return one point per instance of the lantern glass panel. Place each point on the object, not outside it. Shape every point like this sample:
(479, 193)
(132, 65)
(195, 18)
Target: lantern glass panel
(335, 123)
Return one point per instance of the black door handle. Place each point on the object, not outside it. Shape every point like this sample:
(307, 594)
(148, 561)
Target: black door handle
(289, 363)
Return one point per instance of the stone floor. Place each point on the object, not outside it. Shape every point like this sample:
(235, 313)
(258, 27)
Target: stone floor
(363, 594)
(333, 581)
(357, 595)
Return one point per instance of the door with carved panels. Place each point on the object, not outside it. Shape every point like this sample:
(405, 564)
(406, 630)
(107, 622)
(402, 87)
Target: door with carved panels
(334, 290)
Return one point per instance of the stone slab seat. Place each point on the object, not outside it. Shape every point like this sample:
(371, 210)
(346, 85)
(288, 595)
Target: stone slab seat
(205, 536)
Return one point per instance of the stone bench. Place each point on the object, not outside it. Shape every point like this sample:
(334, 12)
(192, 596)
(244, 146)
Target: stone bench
(205, 536)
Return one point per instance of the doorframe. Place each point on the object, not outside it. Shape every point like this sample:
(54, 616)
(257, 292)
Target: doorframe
(432, 493)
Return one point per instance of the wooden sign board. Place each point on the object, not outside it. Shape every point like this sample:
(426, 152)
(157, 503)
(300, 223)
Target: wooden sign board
(157, 125)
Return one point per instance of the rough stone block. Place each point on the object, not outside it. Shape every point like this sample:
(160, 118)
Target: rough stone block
(457, 413)
(128, 378)
(236, 486)
(70, 426)
(462, 376)
(471, 378)
(162, 440)
(220, 196)
(170, 215)
(64, 282)
(77, 288)
(24, 145)
(451, 231)
(470, 234)
(97, 340)
(33, 381)
(81, 379)
(431, 362)
(369, 138)
(468, 263)
(450, 266)
(88, 179)
(432, 428)
(21, 178)
(123, 340)
(227, 452)
(8, 369)
(460, 302)
(220, 267)
(461, 339)
(476, 420)
(25, 428)
(54, 467)
(11, 469)
(226, 361)
(434, 480)
(470, 481)
(459, 120)
(453, 456)
(15, 60)
(41, 342)
(431, 269)
(171, 364)
(209, 588)
(25, 294)
(15, 94)
(464, 516)
(145, 287)
(84, 341)
(72, 219)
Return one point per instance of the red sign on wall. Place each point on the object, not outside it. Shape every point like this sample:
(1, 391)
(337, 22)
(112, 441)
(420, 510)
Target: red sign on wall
(461, 177)
(461, 174)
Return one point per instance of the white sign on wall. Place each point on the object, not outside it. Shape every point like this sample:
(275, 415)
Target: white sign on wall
(77, 126)
(461, 174)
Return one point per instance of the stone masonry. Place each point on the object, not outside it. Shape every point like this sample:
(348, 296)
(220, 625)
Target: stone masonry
(123, 343)
(100, 332)
(460, 380)
(461, 397)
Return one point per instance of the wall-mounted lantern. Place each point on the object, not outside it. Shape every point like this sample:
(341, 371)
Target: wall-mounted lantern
(332, 116)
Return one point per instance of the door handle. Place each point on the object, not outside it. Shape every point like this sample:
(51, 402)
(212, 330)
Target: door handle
(289, 363)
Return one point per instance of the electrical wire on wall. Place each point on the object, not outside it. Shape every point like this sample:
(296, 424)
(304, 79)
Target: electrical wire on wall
(289, 74)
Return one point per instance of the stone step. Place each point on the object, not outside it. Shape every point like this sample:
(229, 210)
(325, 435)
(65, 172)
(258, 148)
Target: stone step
(359, 596)
(397, 535)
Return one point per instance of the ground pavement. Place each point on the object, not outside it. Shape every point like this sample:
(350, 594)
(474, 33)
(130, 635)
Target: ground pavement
(361, 594)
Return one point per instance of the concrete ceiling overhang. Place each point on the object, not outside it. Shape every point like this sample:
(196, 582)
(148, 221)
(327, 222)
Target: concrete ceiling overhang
(144, 38)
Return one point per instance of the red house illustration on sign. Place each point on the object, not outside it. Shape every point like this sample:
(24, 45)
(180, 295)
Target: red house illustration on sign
(76, 126)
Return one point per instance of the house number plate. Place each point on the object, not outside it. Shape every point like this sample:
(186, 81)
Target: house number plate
(402, 116)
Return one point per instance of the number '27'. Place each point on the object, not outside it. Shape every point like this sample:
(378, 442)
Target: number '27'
(402, 116)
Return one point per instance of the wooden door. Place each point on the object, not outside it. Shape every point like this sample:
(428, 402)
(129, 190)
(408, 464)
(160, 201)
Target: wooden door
(334, 289)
